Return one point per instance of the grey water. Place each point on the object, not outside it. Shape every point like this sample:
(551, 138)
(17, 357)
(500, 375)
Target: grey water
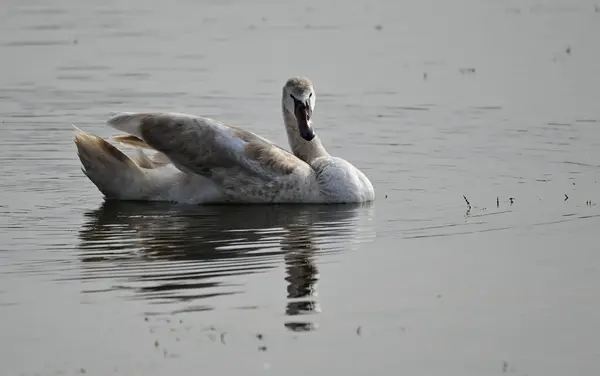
(496, 101)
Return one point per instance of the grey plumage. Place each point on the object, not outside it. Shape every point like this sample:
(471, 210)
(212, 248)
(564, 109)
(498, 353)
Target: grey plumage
(202, 160)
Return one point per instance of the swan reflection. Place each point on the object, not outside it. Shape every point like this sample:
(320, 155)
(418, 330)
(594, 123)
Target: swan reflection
(182, 254)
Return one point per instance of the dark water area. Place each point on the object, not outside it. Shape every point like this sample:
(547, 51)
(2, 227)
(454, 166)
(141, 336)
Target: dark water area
(476, 121)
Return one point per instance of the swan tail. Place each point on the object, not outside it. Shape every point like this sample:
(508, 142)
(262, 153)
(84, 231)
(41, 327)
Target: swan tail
(114, 173)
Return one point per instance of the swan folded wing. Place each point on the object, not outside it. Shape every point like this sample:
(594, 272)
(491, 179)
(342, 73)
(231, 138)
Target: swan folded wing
(207, 147)
(148, 161)
(131, 140)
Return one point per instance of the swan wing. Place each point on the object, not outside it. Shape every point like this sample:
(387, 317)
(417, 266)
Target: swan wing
(231, 156)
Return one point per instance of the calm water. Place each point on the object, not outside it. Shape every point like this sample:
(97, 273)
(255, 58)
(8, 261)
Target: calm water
(498, 101)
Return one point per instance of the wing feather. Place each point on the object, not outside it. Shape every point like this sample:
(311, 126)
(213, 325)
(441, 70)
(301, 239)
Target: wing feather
(208, 147)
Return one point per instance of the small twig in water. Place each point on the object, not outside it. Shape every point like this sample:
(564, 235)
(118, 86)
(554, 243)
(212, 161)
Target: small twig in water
(468, 206)
(566, 197)
(497, 202)
(512, 200)
(467, 201)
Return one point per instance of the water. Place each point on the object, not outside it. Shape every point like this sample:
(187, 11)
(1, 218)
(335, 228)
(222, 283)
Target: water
(433, 100)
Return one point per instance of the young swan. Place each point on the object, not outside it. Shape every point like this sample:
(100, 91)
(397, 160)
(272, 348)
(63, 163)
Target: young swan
(201, 160)
(338, 180)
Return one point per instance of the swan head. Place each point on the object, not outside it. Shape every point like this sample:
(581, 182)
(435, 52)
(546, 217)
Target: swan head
(299, 101)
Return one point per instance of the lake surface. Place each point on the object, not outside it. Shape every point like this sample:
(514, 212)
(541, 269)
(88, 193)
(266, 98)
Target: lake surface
(496, 101)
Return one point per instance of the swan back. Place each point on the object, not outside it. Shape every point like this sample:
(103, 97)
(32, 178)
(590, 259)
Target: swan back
(340, 182)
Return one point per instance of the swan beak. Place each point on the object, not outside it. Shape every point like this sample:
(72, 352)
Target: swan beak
(303, 115)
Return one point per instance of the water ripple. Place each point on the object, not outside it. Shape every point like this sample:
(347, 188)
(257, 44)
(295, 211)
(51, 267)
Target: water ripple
(179, 254)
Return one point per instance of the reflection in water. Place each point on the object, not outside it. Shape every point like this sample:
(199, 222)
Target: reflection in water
(302, 275)
(185, 254)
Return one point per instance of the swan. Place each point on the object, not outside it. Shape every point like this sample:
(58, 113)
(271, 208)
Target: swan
(199, 160)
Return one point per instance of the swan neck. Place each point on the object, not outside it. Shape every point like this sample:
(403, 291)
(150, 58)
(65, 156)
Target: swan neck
(308, 151)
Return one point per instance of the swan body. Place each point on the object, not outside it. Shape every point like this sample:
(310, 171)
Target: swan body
(191, 159)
